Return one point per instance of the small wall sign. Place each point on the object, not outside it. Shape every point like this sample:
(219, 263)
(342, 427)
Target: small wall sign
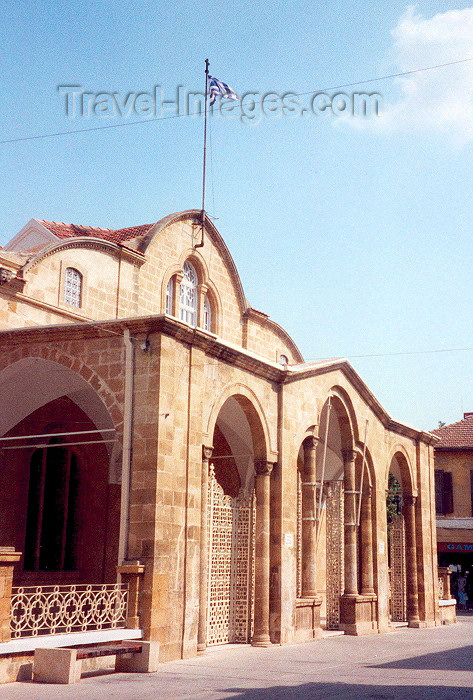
(289, 539)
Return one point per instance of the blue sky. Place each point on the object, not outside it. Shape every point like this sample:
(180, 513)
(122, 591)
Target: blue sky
(362, 227)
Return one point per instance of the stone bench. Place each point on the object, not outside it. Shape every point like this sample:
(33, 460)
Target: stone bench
(64, 665)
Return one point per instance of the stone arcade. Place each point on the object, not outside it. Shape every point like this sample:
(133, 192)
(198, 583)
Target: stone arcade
(156, 428)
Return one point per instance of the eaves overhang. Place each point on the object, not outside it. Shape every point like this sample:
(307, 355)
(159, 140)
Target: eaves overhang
(450, 448)
(167, 325)
(354, 378)
(214, 347)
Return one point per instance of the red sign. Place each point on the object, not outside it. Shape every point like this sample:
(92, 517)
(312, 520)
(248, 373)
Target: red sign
(455, 547)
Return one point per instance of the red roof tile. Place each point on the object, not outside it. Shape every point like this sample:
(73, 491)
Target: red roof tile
(457, 435)
(62, 230)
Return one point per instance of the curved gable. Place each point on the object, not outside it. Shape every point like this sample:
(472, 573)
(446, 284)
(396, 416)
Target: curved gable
(193, 216)
(130, 272)
(177, 238)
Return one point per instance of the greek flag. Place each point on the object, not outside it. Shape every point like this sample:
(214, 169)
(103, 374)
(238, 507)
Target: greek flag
(218, 89)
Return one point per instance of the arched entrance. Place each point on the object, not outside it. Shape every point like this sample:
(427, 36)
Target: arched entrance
(57, 443)
(238, 445)
(401, 501)
(335, 438)
(341, 486)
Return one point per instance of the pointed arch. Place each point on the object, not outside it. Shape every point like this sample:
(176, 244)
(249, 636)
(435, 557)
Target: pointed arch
(254, 412)
(399, 463)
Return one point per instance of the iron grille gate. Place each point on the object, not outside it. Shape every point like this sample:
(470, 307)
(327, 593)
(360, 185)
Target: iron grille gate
(397, 556)
(334, 552)
(231, 565)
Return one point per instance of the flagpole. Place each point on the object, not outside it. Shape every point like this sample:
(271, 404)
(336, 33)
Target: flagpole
(204, 165)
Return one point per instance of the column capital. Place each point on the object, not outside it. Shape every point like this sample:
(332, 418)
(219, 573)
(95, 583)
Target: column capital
(179, 276)
(207, 451)
(263, 467)
(349, 454)
(8, 555)
(310, 442)
(202, 288)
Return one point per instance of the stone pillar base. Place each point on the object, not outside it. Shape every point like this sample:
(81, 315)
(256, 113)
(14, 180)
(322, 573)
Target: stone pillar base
(307, 625)
(8, 559)
(416, 624)
(358, 614)
(131, 572)
(261, 640)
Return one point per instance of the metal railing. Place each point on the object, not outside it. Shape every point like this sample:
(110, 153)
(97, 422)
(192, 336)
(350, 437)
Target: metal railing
(67, 608)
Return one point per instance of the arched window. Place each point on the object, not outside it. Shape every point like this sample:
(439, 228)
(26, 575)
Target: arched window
(72, 287)
(53, 499)
(207, 314)
(170, 297)
(188, 295)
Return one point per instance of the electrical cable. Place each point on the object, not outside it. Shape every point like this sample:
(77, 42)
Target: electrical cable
(390, 354)
(191, 114)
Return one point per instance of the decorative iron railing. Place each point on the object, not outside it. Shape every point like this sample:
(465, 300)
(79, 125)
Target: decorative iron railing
(68, 608)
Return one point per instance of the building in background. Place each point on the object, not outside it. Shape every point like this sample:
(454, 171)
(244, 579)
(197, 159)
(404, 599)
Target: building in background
(454, 501)
(163, 444)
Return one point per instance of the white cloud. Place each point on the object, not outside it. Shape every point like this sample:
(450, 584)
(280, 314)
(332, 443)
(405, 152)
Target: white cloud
(438, 101)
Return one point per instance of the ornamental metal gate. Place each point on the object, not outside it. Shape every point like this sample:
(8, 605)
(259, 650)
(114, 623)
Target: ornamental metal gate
(334, 552)
(231, 565)
(397, 569)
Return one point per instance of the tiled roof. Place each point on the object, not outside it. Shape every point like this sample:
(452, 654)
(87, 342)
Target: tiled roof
(62, 230)
(457, 435)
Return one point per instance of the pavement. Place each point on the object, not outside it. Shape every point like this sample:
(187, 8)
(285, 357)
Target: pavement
(408, 663)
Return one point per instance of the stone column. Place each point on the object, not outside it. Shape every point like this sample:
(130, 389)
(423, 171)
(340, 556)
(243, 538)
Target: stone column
(202, 290)
(262, 564)
(176, 303)
(367, 573)
(408, 509)
(131, 573)
(8, 559)
(351, 579)
(204, 553)
(309, 525)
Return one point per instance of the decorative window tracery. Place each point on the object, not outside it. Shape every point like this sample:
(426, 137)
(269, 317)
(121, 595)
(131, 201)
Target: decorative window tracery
(188, 295)
(72, 287)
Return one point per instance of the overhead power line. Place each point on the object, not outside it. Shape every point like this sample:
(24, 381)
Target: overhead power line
(190, 114)
(392, 354)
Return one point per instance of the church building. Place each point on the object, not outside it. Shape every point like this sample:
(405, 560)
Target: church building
(170, 465)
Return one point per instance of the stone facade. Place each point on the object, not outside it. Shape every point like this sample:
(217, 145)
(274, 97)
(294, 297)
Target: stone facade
(149, 410)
